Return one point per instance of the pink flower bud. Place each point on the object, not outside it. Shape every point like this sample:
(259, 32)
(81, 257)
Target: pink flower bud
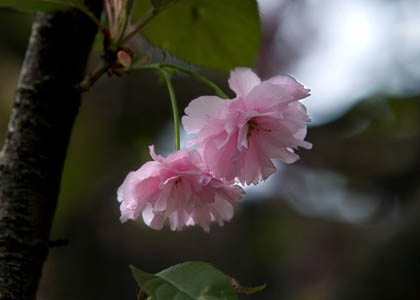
(124, 58)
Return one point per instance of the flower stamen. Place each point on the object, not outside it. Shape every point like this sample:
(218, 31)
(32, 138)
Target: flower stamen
(254, 126)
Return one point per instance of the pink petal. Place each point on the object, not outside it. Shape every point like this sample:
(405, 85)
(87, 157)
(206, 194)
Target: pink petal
(290, 85)
(128, 193)
(266, 96)
(155, 221)
(222, 208)
(301, 133)
(202, 217)
(267, 167)
(288, 156)
(179, 188)
(231, 148)
(200, 109)
(163, 197)
(153, 154)
(179, 216)
(128, 213)
(279, 150)
(243, 138)
(223, 161)
(242, 81)
(251, 166)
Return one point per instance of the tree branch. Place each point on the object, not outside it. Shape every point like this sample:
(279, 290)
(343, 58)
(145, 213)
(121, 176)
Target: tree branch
(33, 154)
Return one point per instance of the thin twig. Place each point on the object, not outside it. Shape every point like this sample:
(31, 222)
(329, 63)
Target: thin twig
(142, 22)
(219, 92)
(92, 17)
(91, 78)
(198, 77)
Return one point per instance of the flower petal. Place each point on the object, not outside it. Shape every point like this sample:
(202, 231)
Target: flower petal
(200, 109)
(222, 209)
(163, 197)
(153, 154)
(290, 85)
(266, 96)
(151, 219)
(179, 188)
(242, 81)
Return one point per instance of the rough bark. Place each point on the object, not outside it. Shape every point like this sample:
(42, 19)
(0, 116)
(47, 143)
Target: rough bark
(31, 161)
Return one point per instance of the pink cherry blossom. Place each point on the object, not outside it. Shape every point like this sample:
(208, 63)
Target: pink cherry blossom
(179, 188)
(239, 138)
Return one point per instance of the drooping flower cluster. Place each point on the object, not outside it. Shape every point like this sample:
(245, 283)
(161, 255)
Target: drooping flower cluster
(237, 140)
(263, 122)
(179, 187)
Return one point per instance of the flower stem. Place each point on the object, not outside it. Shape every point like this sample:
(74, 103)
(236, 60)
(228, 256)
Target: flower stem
(174, 105)
(167, 76)
(219, 92)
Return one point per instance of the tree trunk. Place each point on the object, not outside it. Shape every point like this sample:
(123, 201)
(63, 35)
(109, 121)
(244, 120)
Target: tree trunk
(31, 161)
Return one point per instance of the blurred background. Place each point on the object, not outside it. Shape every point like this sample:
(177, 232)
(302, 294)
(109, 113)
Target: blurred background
(342, 223)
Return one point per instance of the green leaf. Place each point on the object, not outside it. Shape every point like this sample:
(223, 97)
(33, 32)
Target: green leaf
(240, 289)
(43, 5)
(98, 42)
(122, 12)
(187, 281)
(160, 5)
(219, 34)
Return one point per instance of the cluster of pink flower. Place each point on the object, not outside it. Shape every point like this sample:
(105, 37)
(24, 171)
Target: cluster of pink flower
(237, 140)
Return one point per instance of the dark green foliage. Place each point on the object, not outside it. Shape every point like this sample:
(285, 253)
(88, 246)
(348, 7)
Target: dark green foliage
(219, 34)
(187, 281)
(42, 5)
(160, 5)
